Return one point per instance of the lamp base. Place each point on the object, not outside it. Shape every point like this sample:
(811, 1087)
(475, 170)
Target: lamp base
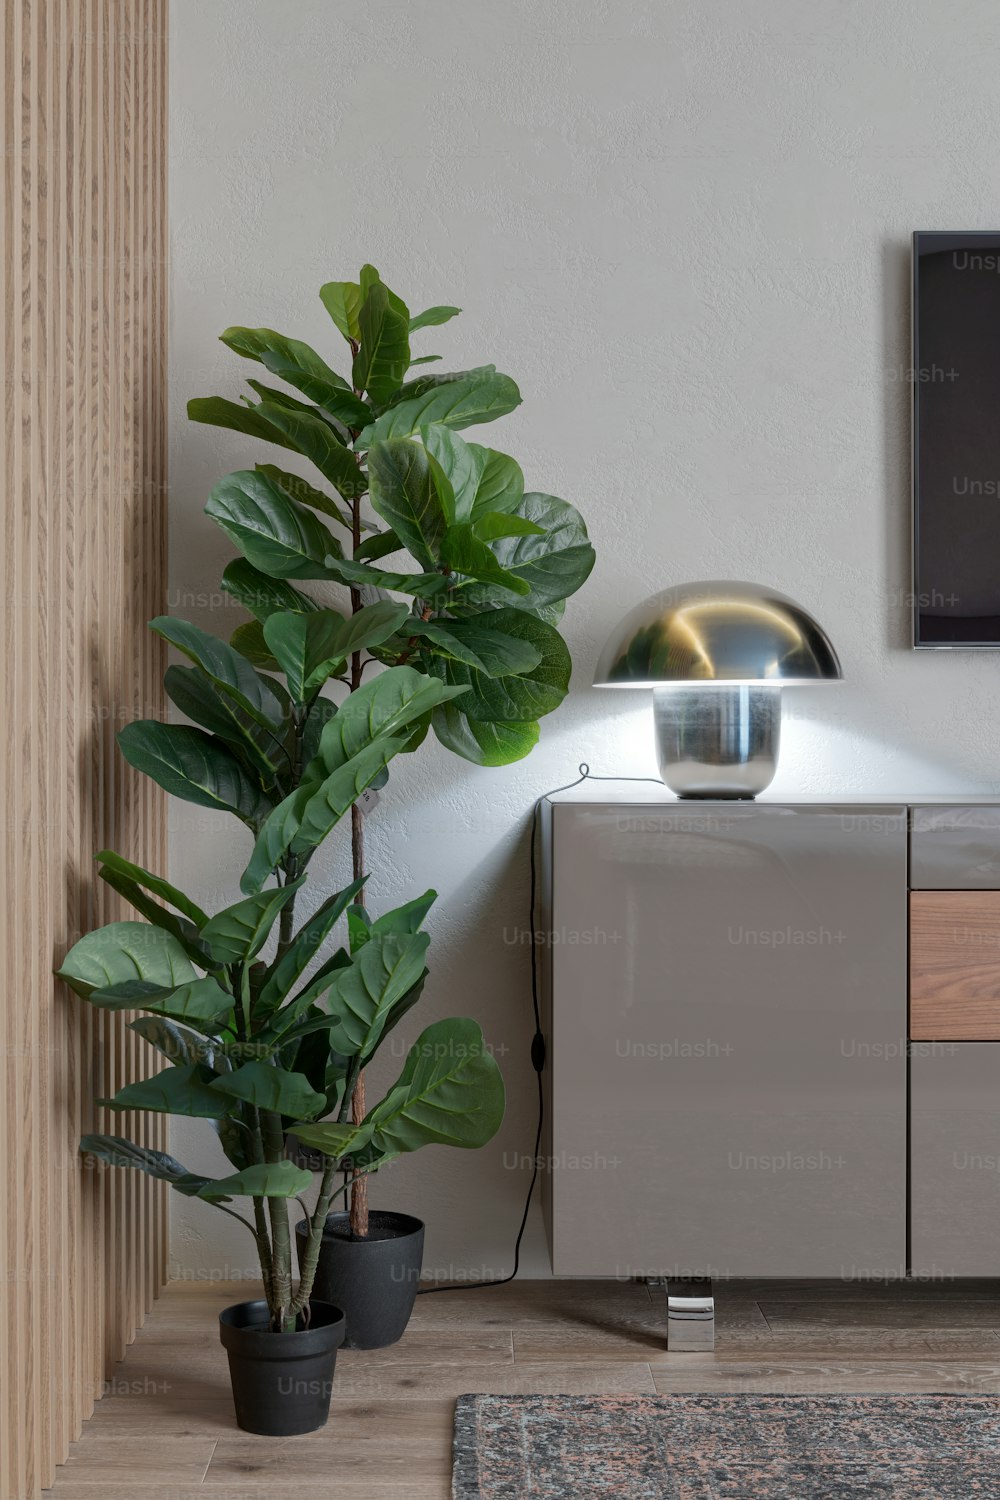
(718, 742)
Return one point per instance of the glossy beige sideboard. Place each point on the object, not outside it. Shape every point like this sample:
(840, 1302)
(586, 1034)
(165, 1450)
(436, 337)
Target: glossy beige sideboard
(731, 991)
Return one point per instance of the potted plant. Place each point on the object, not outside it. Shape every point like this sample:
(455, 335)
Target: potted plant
(489, 568)
(274, 1048)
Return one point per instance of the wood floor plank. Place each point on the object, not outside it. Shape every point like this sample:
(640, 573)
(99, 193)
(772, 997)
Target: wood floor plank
(161, 1460)
(888, 1312)
(710, 1372)
(358, 1486)
(865, 1341)
(585, 1378)
(263, 1463)
(174, 1414)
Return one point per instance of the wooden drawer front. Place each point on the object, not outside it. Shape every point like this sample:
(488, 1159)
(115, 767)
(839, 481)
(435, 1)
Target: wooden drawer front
(955, 966)
(955, 848)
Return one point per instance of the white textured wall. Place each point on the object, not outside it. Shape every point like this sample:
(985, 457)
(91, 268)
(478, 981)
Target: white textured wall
(683, 227)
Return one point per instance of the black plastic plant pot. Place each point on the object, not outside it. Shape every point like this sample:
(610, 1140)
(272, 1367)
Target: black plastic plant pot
(374, 1280)
(281, 1381)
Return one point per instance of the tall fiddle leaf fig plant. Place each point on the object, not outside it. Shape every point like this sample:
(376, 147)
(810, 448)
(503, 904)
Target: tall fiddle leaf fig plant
(291, 721)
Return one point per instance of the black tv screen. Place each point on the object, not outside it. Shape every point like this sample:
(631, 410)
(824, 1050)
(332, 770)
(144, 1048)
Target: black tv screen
(956, 438)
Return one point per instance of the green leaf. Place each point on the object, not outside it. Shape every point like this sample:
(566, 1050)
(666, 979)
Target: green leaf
(301, 367)
(284, 973)
(226, 668)
(249, 641)
(273, 396)
(262, 343)
(384, 357)
(337, 794)
(450, 1093)
(109, 860)
(331, 1138)
(215, 411)
(275, 837)
(485, 744)
(424, 383)
(550, 613)
(361, 996)
(239, 932)
(379, 544)
(492, 525)
(479, 644)
(277, 535)
(549, 566)
(385, 705)
(270, 1179)
(271, 1088)
(195, 696)
(425, 359)
(404, 494)
(342, 300)
(317, 985)
(318, 715)
(175, 1091)
(307, 648)
(359, 927)
(457, 403)
(305, 817)
(194, 766)
(116, 1151)
(432, 317)
(181, 1044)
(259, 593)
(311, 647)
(460, 462)
(465, 553)
(421, 585)
(501, 483)
(371, 277)
(199, 1000)
(235, 1141)
(122, 951)
(515, 697)
(184, 931)
(406, 918)
(304, 493)
(311, 436)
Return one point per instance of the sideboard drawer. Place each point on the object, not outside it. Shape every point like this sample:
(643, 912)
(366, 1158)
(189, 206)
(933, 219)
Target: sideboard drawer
(955, 1159)
(955, 849)
(955, 965)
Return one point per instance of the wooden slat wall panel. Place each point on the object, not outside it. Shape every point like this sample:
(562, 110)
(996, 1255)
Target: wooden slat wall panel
(82, 245)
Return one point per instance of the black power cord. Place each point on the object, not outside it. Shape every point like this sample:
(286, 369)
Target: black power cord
(538, 1040)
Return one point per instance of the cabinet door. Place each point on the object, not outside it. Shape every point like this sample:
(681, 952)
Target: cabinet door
(728, 1040)
(955, 1159)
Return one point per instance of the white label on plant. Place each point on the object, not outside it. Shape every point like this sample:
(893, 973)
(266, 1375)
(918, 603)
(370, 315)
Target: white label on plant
(368, 801)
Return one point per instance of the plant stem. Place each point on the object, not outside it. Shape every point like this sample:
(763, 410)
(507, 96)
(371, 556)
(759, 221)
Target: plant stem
(290, 865)
(359, 1184)
(317, 1223)
(281, 1239)
(264, 1249)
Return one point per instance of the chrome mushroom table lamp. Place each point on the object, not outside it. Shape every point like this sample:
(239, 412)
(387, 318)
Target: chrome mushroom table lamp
(716, 656)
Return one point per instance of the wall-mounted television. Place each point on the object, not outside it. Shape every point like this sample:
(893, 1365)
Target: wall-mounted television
(956, 439)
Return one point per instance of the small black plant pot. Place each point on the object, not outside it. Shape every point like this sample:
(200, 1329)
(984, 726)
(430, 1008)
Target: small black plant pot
(374, 1280)
(281, 1381)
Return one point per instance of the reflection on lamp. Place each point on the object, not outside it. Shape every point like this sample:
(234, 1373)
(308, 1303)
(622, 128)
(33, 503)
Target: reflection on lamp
(716, 656)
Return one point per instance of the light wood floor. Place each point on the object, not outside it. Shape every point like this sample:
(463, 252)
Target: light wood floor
(166, 1430)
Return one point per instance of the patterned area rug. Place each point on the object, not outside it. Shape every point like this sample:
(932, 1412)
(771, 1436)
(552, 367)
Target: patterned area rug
(727, 1447)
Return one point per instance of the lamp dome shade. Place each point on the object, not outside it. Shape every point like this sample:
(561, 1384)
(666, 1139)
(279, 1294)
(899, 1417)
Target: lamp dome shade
(721, 631)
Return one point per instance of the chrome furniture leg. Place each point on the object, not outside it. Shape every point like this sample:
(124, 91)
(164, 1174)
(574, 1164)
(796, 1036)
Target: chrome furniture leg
(690, 1315)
